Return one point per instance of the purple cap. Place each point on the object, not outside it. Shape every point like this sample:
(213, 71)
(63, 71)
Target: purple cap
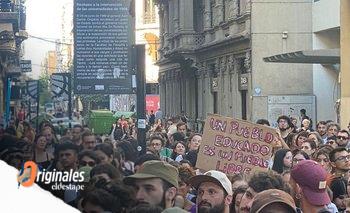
(311, 177)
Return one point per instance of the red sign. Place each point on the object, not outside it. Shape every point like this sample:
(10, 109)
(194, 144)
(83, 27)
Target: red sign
(152, 103)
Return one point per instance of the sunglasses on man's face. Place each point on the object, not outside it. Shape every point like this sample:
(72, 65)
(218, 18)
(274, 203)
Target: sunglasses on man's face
(331, 142)
(87, 163)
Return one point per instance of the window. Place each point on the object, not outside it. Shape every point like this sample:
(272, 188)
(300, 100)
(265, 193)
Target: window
(149, 16)
(215, 102)
(244, 104)
(212, 7)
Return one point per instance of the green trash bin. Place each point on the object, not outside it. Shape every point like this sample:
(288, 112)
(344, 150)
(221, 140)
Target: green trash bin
(100, 121)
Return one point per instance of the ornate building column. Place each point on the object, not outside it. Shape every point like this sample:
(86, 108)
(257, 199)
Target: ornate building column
(171, 14)
(220, 11)
(166, 24)
(208, 96)
(235, 98)
(199, 79)
(176, 20)
(169, 92)
(206, 15)
(223, 86)
(161, 25)
(162, 92)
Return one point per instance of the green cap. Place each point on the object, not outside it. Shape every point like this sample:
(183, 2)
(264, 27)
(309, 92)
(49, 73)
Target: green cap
(155, 169)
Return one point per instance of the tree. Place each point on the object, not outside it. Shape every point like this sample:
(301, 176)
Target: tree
(89, 100)
(44, 92)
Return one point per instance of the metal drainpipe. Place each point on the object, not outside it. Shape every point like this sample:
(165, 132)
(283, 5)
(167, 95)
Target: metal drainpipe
(8, 100)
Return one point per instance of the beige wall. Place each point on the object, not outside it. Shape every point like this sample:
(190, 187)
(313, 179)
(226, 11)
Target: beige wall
(270, 19)
(325, 15)
(345, 63)
(326, 22)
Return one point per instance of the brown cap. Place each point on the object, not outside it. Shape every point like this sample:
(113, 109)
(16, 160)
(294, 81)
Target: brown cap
(269, 196)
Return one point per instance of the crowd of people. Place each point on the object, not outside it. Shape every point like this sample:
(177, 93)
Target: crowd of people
(308, 172)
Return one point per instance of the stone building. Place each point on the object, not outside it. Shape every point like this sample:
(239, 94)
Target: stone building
(211, 58)
(12, 34)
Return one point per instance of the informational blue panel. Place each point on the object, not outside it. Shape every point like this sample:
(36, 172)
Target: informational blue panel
(102, 44)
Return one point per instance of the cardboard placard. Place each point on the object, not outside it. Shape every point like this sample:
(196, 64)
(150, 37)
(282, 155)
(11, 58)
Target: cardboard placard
(233, 146)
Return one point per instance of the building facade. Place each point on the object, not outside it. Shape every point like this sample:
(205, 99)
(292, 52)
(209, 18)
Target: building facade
(12, 34)
(326, 35)
(211, 56)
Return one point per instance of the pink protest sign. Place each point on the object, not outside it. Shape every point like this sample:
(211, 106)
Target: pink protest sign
(232, 146)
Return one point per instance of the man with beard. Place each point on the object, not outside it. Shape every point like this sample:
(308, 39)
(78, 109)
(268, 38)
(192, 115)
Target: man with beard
(67, 158)
(343, 138)
(321, 128)
(284, 125)
(76, 134)
(155, 183)
(332, 130)
(308, 181)
(214, 192)
(88, 140)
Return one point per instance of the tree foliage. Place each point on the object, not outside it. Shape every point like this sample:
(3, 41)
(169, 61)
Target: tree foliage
(44, 91)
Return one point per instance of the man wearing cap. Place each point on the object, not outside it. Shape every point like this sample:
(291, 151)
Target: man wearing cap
(273, 200)
(308, 180)
(214, 192)
(155, 183)
(259, 182)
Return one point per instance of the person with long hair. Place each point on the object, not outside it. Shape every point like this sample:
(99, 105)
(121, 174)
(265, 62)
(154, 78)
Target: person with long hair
(282, 161)
(128, 155)
(105, 153)
(51, 139)
(157, 126)
(299, 155)
(236, 198)
(300, 138)
(179, 151)
(322, 157)
(194, 141)
(315, 136)
(28, 132)
(40, 155)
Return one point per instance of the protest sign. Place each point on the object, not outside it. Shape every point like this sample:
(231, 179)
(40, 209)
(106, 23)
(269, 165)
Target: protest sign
(232, 146)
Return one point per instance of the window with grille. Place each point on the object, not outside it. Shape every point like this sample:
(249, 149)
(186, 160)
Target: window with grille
(149, 15)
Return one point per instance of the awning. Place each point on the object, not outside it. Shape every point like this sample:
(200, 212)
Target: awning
(326, 56)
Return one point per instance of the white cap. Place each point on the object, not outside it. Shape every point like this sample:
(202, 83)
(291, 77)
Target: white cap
(213, 176)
